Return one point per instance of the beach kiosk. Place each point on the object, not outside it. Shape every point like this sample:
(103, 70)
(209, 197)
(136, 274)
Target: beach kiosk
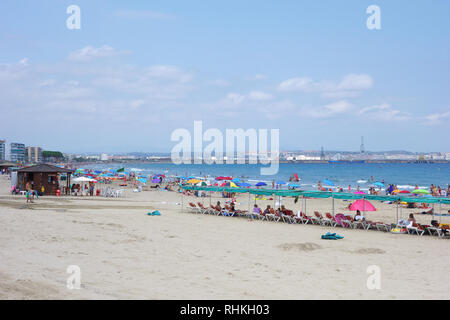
(52, 178)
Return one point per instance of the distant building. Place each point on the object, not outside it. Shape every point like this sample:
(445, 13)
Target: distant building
(34, 154)
(104, 157)
(15, 152)
(2, 150)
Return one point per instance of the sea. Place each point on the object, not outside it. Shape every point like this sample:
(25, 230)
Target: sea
(362, 175)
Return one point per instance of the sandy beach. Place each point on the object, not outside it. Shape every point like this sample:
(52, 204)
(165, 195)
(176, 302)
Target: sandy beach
(125, 254)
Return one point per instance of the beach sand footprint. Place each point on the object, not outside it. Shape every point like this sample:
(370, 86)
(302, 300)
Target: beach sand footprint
(307, 246)
(370, 251)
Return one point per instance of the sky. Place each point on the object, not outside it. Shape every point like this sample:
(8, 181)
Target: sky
(136, 71)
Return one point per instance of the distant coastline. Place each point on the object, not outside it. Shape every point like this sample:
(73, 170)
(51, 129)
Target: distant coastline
(169, 161)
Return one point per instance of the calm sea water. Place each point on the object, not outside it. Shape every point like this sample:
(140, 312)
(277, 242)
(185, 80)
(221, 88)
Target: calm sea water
(406, 176)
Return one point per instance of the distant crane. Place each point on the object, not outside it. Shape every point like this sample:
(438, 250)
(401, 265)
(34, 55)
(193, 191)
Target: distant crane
(362, 150)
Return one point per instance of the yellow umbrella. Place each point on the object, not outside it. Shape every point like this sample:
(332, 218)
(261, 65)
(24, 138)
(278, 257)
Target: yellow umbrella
(194, 181)
(233, 185)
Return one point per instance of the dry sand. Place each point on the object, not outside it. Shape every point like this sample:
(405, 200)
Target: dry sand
(125, 254)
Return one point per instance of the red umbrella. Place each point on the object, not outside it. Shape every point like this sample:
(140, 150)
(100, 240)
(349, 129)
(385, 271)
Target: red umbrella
(223, 178)
(362, 205)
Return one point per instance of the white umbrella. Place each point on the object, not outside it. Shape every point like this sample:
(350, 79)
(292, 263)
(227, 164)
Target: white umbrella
(83, 179)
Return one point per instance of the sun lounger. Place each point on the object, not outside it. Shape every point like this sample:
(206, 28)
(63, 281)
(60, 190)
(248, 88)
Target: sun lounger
(305, 219)
(383, 226)
(193, 208)
(316, 218)
(357, 224)
(416, 229)
(286, 218)
(271, 216)
(367, 224)
(331, 220)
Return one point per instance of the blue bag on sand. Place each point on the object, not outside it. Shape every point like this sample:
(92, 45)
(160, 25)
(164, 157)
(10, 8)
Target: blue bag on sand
(331, 236)
(154, 213)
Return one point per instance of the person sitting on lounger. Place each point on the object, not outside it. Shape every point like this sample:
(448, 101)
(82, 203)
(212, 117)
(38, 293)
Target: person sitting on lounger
(218, 207)
(411, 219)
(267, 210)
(358, 216)
(256, 209)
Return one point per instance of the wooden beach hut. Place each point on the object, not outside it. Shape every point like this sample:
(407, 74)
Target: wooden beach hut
(50, 177)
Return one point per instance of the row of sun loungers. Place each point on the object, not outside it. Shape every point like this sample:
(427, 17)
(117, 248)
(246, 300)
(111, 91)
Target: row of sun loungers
(319, 219)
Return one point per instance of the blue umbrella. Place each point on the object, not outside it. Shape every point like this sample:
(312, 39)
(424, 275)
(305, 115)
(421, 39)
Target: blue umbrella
(281, 182)
(245, 184)
(261, 184)
(294, 185)
(236, 180)
(142, 180)
(379, 184)
(328, 182)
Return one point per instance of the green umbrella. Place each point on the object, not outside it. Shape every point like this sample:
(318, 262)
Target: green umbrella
(421, 191)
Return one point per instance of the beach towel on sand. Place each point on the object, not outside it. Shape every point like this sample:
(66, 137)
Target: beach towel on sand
(154, 213)
(331, 236)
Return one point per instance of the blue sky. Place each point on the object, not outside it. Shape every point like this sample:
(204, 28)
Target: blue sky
(136, 71)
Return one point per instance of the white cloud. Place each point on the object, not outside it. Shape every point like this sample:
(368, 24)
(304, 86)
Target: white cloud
(437, 118)
(349, 86)
(259, 96)
(329, 110)
(296, 84)
(235, 98)
(383, 112)
(168, 72)
(355, 82)
(89, 53)
(24, 62)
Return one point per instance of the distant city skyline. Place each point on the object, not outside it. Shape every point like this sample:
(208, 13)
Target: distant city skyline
(135, 72)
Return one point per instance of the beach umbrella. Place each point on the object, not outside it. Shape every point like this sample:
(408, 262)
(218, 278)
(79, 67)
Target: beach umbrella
(362, 205)
(156, 181)
(261, 184)
(83, 179)
(328, 182)
(236, 180)
(401, 191)
(223, 178)
(281, 182)
(359, 192)
(202, 184)
(421, 191)
(294, 185)
(245, 185)
(193, 181)
(379, 184)
(143, 180)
